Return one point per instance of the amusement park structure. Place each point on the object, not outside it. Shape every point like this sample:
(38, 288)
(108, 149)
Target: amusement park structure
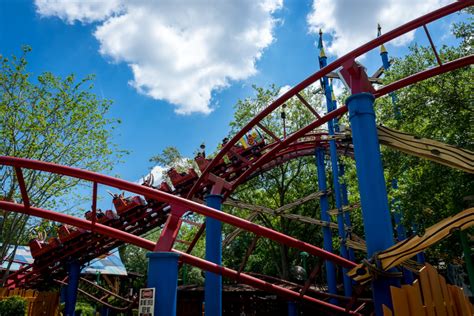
(81, 240)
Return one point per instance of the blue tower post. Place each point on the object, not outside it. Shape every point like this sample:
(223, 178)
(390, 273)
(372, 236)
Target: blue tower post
(327, 235)
(345, 202)
(420, 257)
(373, 194)
(213, 282)
(104, 311)
(292, 309)
(401, 231)
(335, 171)
(345, 199)
(74, 271)
(62, 294)
(386, 65)
(397, 215)
(163, 276)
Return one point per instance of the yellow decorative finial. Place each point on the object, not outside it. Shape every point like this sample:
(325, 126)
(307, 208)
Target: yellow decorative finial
(333, 96)
(320, 44)
(379, 32)
(322, 53)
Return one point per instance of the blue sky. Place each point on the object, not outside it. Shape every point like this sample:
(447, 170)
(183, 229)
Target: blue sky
(157, 102)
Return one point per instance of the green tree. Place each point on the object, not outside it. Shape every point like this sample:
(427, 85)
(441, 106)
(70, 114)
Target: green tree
(439, 108)
(277, 187)
(170, 156)
(135, 258)
(51, 119)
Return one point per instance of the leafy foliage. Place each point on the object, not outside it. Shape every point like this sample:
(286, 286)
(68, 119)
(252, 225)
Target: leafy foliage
(13, 306)
(441, 109)
(276, 188)
(84, 309)
(51, 119)
(438, 108)
(170, 156)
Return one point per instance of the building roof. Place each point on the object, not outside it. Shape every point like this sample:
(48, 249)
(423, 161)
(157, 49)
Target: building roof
(110, 264)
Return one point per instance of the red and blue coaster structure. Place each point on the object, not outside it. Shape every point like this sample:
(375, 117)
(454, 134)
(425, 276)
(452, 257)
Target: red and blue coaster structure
(219, 177)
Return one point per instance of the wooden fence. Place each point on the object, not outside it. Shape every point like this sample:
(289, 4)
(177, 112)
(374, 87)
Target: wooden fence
(38, 303)
(429, 296)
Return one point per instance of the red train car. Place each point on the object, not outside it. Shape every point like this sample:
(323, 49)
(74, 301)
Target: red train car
(101, 217)
(66, 232)
(37, 247)
(123, 205)
(109, 214)
(180, 179)
(201, 162)
(164, 187)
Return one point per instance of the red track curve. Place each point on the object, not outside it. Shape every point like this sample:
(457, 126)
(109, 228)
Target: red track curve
(345, 61)
(149, 245)
(277, 149)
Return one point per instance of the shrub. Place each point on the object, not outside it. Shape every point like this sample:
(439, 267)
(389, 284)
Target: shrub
(13, 306)
(84, 309)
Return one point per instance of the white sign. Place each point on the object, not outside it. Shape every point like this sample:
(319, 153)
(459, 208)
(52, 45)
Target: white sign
(146, 304)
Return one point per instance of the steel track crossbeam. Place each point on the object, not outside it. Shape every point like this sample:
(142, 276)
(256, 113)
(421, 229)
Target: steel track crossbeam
(178, 201)
(186, 258)
(432, 16)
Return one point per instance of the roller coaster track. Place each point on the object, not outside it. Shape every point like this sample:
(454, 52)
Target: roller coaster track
(353, 75)
(101, 300)
(98, 238)
(30, 275)
(439, 152)
(89, 244)
(406, 249)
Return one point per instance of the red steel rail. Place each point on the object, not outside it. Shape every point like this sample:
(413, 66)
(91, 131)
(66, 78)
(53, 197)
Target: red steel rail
(344, 60)
(274, 150)
(186, 258)
(140, 221)
(175, 202)
(423, 20)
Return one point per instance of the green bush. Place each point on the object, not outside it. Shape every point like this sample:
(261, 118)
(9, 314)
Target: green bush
(84, 309)
(12, 306)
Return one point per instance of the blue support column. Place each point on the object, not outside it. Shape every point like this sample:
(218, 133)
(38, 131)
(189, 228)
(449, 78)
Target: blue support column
(335, 180)
(386, 65)
(401, 231)
(104, 311)
(345, 202)
(213, 282)
(62, 294)
(327, 235)
(345, 198)
(397, 214)
(74, 271)
(163, 276)
(292, 309)
(420, 257)
(373, 193)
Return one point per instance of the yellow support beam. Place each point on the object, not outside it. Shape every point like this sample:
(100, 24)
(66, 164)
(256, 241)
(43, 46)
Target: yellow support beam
(439, 152)
(406, 249)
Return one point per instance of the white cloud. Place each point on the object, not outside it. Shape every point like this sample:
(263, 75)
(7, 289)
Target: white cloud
(78, 10)
(181, 51)
(354, 23)
(338, 88)
(156, 174)
(283, 90)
